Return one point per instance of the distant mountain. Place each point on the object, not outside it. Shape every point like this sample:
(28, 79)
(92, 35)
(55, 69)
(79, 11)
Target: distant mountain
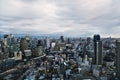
(42, 36)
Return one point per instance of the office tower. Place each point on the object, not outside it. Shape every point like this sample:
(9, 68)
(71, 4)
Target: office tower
(6, 36)
(88, 40)
(40, 51)
(48, 42)
(27, 37)
(69, 44)
(40, 43)
(62, 39)
(118, 58)
(5, 42)
(98, 59)
(9, 39)
(13, 48)
(40, 47)
(68, 41)
(52, 45)
(96, 38)
(23, 44)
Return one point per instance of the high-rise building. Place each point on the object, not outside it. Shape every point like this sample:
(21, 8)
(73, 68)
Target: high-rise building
(98, 59)
(40, 50)
(69, 44)
(118, 58)
(62, 39)
(68, 41)
(13, 48)
(27, 37)
(40, 43)
(23, 44)
(99, 56)
(96, 38)
(48, 42)
(6, 36)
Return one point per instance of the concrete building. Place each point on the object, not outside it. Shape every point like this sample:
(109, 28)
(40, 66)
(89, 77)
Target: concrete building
(47, 42)
(23, 44)
(98, 59)
(118, 58)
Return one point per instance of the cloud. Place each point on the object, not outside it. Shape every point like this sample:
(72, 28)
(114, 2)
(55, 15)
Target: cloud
(67, 17)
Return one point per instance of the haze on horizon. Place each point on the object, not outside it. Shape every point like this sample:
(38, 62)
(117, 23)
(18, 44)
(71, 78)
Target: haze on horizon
(65, 17)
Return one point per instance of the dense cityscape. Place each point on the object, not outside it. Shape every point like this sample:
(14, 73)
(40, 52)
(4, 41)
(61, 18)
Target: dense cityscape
(59, 39)
(63, 58)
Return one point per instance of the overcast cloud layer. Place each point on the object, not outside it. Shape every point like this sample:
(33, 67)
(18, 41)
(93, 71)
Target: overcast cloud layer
(65, 17)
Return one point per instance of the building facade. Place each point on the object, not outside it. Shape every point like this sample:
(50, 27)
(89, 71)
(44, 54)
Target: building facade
(118, 58)
(98, 59)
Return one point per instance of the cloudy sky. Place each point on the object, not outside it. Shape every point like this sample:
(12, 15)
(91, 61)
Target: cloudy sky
(64, 17)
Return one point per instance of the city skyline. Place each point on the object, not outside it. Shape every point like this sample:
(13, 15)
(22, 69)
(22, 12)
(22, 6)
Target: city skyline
(69, 18)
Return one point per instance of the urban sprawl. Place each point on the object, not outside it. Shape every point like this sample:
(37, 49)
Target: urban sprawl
(63, 58)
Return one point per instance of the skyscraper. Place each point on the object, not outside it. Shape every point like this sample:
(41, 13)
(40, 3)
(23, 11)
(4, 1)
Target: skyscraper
(27, 37)
(118, 58)
(23, 44)
(48, 42)
(96, 37)
(62, 39)
(98, 59)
